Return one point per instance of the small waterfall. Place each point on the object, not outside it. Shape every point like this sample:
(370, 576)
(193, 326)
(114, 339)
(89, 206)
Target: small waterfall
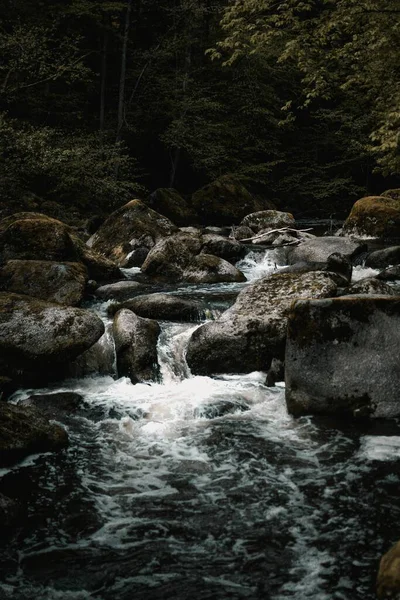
(258, 264)
(172, 345)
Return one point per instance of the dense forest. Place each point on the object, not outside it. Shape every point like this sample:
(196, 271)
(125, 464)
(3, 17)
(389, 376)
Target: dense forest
(103, 100)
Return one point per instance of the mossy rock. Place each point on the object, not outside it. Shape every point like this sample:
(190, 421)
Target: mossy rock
(225, 201)
(132, 226)
(394, 194)
(388, 583)
(169, 202)
(374, 216)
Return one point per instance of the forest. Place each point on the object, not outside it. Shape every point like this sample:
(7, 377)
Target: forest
(105, 100)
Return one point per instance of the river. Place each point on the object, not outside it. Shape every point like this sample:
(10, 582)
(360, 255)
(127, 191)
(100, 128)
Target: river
(201, 488)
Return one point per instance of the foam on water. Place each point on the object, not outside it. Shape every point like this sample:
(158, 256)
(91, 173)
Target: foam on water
(380, 447)
(257, 264)
(360, 272)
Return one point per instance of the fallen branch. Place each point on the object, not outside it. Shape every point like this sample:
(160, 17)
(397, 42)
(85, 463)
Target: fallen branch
(283, 230)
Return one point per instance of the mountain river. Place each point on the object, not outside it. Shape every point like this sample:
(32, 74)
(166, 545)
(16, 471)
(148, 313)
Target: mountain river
(201, 488)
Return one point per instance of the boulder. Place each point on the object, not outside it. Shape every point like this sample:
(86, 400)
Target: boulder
(177, 258)
(37, 337)
(25, 431)
(170, 256)
(206, 268)
(168, 202)
(320, 248)
(63, 283)
(342, 356)
(162, 307)
(390, 274)
(395, 194)
(225, 201)
(99, 359)
(54, 406)
(265, 220)
(121, 290)
(374, 216)
(339, 267)
(383, 258)
(241, 233)
(221, 246)
(136, 346)
(253, 331)
(370, 285)
(33, 236)
(132, 226)
(388, 582)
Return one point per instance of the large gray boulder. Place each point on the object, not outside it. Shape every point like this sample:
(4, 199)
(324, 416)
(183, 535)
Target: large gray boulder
(223, 247)
(162, 307)
(24, 431)
(370, 286)
(38, 337)
(133, 226)
(342, 356)
(136, 346)
(320, 248)
(64, 283)
(253, 331)
(178, 258)
(121, 290)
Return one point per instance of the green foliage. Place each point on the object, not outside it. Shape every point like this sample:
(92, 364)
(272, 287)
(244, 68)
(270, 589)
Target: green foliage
(342, 47)
(64, 167)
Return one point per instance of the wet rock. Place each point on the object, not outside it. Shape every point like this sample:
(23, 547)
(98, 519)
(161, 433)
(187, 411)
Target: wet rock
(319, 249)
(388, 583)
(132, 226)
(54, 406)
(383, 258)
(265, 220)
(136, 346)
(25, 431)
(369, 286)
(135, 258)
(63, 283)
(341, 356)
(390, 274)
(374, 216)
(121, 290)
(225, 201)
(168, 202)
(37, 336)
(253, 331)
(222, 247)
(276, 372)
(220, 408)
(162, 307)
(99, 359)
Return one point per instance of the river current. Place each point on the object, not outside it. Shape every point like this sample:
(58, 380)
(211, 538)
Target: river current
(201, 488)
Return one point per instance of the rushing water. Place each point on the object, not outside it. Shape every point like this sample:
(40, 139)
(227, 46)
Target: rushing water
(202, 488)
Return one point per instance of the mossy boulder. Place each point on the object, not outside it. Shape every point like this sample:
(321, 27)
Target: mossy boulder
(179, 258)
(225, 201)
(169, 202)
(136, 346)
(129, 228)
(33, 236)
(395, 194)
(268, 219)
(253, 331)
(226, 248)
(38, 338)
(61, 282)
(374, 216)
(370, 286)
(342, 356)
(24, 431)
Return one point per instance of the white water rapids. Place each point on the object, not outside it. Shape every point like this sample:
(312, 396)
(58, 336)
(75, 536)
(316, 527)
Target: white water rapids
(203, 488)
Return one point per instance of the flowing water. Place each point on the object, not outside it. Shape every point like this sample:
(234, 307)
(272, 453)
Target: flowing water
(203, 488)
